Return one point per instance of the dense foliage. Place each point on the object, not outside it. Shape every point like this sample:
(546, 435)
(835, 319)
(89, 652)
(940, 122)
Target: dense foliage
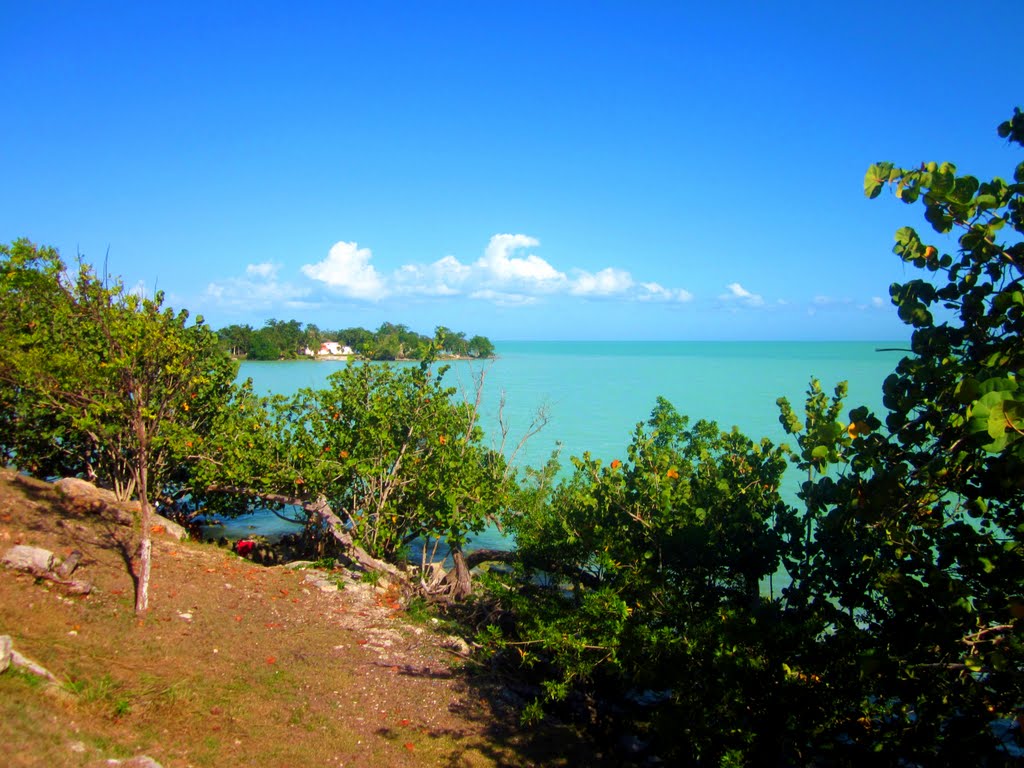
(82, 361)
(283, 340)
(389, 448)
(100, 382)
(895, 635)
(644, 575)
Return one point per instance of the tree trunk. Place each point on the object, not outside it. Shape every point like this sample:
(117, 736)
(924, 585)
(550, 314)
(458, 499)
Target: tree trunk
(145, 540)
(478, 556)
(462, 584)
(145, 564)
(336, 528)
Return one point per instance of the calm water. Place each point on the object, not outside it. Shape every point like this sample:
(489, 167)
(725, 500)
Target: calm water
(596, 392)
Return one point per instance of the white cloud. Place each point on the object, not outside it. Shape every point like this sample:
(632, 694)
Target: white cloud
(505, 274)
(607, 282)
(347, 269)
(503, 299)
(500, 266)
(831, 302)
(258, 289)
(658, 292)
(737, 292)
(264, 270)
(445, 277)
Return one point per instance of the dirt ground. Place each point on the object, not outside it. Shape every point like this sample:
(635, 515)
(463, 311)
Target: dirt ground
(235, 663)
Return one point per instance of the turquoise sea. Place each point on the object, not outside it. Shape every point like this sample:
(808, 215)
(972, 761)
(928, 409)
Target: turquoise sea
(596, 392)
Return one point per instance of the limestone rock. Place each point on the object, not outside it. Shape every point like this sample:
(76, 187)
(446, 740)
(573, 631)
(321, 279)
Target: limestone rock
(43, 564)
(69, 564)
(23, 662)
(140, 761)
(457, 644)
(170, 527)
(11, 658)
(84, 497)
(321, 582)
(32, 559)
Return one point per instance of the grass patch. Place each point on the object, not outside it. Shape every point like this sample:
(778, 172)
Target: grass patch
(418, 610)
(371, 577)
(264, 672)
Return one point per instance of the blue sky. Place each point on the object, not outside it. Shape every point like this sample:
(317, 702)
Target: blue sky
(550, 170)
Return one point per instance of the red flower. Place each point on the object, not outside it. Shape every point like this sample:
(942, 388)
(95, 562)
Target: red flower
(616, 463)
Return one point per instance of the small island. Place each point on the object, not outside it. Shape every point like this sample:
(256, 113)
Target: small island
(291, 340)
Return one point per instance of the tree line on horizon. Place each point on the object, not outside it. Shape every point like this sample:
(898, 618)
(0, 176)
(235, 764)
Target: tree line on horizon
(288, 340)
(638, 595)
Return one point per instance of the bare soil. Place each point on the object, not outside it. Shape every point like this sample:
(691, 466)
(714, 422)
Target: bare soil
(235, 663)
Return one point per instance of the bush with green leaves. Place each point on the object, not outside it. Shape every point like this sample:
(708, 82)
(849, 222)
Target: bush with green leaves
(896, 634)
(645, 574)
(101, 382)
(914, 558)
(389, 448)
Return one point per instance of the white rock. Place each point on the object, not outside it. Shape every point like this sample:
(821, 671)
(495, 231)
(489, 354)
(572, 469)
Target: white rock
(25, 558)
(172, 528)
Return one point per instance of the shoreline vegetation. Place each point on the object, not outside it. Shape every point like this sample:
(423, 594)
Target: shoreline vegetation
(292, 340)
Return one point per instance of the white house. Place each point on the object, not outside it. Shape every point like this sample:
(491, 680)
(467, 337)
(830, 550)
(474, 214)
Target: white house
(334, 348)
(329, 348)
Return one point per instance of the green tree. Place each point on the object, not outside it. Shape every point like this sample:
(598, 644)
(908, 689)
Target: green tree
(35, 434)
(452, 342)
(237, 339)
(480, 347)
(898, 638)
(644, 573)
(125, 383)
(912, 559)
(313, 336)
(357, 338)
(386, 449)
(264, 346)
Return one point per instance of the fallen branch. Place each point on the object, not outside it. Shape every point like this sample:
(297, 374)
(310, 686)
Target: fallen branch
(337, 529)
(43, 564)
(330, 523)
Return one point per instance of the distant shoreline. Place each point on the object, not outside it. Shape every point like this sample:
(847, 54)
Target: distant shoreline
(359, 358)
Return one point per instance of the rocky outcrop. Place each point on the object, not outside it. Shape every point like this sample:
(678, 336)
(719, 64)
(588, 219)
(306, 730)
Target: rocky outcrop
(82, 497)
